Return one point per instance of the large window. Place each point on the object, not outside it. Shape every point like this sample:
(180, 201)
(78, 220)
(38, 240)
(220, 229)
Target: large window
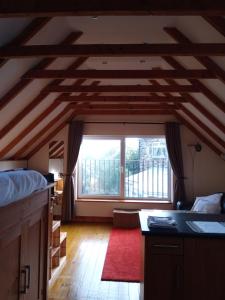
(124, 168)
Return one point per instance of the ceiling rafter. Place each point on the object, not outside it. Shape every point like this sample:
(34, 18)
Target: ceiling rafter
(205, 112)
(125, 112)
(58, 154)
(52, 144)
(52, 133)
(28, 129)
(121, 99)
(118, 50)
(42, 94)
(44, 63)
(119, 74)
(202, 88)
(13, 92)
(111, 7)
(122, 88)
(198, 133)
(194, 118)
(204, 127)
(27, 34)
(207, 62)
(217, 22)
(56, 148)
(42, 132)
(125, 106)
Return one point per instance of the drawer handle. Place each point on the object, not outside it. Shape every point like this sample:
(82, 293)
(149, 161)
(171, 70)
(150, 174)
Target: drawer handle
(24, 288)
(166, 246)
(27, 268)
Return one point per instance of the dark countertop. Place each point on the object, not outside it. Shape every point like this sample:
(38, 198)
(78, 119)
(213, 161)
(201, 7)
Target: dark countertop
(182, 229)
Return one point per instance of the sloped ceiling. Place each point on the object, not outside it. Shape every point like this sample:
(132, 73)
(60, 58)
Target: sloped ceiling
(132, 69)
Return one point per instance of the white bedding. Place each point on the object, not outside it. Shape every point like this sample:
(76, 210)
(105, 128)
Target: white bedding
(15, 185)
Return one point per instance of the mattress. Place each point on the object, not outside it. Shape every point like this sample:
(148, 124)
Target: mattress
(17, 184)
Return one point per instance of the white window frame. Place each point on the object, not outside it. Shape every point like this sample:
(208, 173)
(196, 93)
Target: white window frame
(121, 196)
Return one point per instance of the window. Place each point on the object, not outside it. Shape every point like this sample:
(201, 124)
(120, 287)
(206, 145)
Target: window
(124, 168)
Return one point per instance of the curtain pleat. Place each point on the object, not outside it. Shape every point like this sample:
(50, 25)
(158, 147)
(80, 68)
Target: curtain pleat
(173, 142)
(74, 142)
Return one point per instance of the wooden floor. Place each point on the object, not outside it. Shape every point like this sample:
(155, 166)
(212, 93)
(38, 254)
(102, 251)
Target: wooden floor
(81, 277)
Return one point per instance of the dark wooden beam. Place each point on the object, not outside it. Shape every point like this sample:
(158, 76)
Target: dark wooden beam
(52, 144)
(110, 7)
(40, 135)
(13, 92)
(121, 99)
(197, 133)
(203, 126)
(36, 101)
(120, 74)
(125, 112)
(205, 112)
(205, 61)
(58, 154)
(217, 22)
(42, 132)
(32, 28)
(122, 88)
(200, 108)
(118, 50)
(52, 133)
(28, 129)
(124, 106)
(44, 63)
(197, 83)
(56, 148)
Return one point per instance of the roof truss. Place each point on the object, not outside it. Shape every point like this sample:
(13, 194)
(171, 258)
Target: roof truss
(111, 7)
(115, 105)
(100, 50)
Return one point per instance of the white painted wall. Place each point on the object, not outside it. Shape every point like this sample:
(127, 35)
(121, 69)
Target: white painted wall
(40, 161)
(204, 171)
(12, 164)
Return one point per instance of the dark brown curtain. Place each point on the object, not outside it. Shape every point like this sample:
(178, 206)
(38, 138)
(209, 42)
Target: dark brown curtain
(74, 142)
(173, 142)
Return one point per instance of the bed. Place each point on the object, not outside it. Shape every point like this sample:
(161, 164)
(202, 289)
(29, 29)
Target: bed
(24, 233)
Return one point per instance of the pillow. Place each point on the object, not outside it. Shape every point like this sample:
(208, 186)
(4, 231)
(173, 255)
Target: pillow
(208, 204)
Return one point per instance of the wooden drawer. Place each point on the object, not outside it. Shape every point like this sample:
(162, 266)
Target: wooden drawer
(165, 245)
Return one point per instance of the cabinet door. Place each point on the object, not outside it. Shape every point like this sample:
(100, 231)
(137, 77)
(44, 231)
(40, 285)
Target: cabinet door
(165, 278)
(204, 266)
(163, 274)
(35, 256)
(10, 266)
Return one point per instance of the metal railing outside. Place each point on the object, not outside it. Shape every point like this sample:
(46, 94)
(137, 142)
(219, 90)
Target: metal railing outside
(142, 178)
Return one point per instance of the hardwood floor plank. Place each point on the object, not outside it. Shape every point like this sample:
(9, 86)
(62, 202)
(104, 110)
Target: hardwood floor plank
(81, 277)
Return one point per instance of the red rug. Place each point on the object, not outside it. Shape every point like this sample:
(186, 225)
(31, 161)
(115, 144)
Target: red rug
(123, 256)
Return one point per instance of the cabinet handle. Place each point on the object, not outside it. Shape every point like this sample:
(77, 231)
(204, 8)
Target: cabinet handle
(165, 246)
(24, 288)
(27, 268)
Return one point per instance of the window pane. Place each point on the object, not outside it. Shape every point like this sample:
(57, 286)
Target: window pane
(147, 170)
(99, 167)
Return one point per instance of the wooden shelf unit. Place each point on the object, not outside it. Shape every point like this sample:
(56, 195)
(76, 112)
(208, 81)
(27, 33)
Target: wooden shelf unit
(57, 250)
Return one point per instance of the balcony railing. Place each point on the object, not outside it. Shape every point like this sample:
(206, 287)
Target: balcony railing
(142, 178)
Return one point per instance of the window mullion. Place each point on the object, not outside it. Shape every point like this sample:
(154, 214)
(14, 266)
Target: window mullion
(122, 168)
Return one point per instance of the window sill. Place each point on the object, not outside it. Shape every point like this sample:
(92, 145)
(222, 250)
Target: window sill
(161, 202)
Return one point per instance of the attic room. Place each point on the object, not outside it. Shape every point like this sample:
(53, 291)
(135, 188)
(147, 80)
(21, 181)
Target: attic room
(116, 113)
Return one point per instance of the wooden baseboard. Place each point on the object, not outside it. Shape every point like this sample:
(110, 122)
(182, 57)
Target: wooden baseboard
(90, 219)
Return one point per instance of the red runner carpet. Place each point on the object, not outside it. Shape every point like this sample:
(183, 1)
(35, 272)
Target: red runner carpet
(123, 256)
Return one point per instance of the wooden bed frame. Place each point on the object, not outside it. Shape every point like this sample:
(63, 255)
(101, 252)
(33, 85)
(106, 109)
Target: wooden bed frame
(24, 247)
